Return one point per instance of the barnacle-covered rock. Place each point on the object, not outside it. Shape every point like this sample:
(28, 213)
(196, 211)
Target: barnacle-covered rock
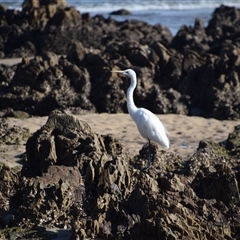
(48, 199)
(233, 141)
(12, 135)
(78, 172)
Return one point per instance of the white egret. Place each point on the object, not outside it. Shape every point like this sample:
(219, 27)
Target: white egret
(148, 124)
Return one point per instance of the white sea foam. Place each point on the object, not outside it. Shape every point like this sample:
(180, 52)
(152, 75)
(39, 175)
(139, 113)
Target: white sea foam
(137, 5)
(108, 6)
(172, 14)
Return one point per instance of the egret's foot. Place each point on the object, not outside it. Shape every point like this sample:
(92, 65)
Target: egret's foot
(145, 169)
(150, 159)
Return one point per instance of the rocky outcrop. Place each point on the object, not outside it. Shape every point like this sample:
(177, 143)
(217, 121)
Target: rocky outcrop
(12, 135)
(195, 72)
(53, 25)
(120, 12)
(34, 82)
(75, 178)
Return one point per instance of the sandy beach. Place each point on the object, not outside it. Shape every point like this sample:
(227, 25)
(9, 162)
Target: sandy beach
(185, 132)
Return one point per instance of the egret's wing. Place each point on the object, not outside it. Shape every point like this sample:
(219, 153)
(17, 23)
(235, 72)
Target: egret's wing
(142, 122)
(150, 127)
(166, 131)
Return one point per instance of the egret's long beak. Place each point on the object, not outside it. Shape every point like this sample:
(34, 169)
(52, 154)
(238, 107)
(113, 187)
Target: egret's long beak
(118, 71)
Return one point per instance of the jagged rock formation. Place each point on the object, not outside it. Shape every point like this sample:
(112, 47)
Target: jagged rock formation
(78, 179)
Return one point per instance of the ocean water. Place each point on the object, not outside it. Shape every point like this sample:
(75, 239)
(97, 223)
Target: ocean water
(172, 14)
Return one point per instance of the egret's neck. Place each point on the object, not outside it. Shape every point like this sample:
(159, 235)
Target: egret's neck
(130, 102)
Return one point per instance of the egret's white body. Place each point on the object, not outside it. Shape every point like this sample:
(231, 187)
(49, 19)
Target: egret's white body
(148, 124)
(150, 127)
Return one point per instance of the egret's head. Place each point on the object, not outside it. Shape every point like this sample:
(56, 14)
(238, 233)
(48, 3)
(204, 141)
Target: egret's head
(129, 72)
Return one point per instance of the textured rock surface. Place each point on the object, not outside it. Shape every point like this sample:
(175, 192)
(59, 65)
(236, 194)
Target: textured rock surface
(12, 135)
(195, 72)
(75, 178)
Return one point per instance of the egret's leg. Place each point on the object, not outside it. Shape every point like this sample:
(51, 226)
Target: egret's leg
(149, 164)
(149, 154)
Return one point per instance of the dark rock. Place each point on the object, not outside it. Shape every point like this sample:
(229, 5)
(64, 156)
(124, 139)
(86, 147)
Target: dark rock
(220, 185)
(64, 17)
(6, 75)
(192, 38)
(2, 11)
(139, 57)
(46, 147)
(28, 4)
(163, 53)
(51, 58)
(50, 197)
(232, 142)
(86, 16)
(197, 71)
(40, 85)
(170, 73)
(16, 114)
(167, 101)
(12, 135)
(120, 12)
(92, 170)
(76, 53)
(224, 23)
(9, 178)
